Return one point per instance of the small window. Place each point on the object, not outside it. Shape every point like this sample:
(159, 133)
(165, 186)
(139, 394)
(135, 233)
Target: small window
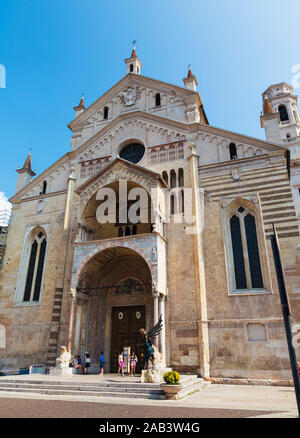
(283, 113)
(157, 99)
(232, 151)
(131, 68)
(44, 188)
(105, 113)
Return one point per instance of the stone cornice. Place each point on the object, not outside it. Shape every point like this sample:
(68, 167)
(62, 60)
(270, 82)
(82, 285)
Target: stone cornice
(43, 196)
(239, 161)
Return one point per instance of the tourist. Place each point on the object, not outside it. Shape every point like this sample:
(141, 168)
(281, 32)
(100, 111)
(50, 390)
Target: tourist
(101, 363)
(121, 363)
(77, 363)
(87, 362)
(133, 362)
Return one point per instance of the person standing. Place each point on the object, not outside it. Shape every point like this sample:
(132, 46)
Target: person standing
(133, 362)
(101, 363)
(121, 363)
(87, 362)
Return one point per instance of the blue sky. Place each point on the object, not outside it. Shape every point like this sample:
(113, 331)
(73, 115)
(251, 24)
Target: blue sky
(55, 50)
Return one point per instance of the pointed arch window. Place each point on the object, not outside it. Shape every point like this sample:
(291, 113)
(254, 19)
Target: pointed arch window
(245, 250)
(35, 268)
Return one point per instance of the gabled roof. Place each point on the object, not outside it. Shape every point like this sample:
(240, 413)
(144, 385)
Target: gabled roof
(129, 79)
(136, 167)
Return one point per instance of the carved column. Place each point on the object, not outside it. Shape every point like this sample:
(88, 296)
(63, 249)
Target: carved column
(72, 295)
(155, 295)
(162, 335)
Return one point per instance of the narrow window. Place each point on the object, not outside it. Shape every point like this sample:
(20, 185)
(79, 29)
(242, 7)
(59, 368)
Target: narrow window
(180, 178)
(233, 152)
(172, 200)
(253, 253)
(35, 268)
(44, 188)
(131, 68)
(127, 231)
(173, 178)
(157, 99)
(283, 113)
(120, 232)
(134, 230)
(165, 176)
(238, 257)
(182, 200)
(105, 113)
(30, 271)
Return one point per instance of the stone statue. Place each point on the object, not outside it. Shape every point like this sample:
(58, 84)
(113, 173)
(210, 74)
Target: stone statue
(129, 96)
(63, 360)
(154, 364)
(150, 350)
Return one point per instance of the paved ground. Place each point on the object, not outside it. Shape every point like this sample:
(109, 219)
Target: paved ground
(22, 408)
(230, 401)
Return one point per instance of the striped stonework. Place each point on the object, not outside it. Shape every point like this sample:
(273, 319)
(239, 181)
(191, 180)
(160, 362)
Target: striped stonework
(54, 330)
(268, 178)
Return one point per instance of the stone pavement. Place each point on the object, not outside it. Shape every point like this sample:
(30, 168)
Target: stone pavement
(263, 401)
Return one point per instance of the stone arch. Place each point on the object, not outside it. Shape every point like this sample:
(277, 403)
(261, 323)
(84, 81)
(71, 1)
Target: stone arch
(84, 260)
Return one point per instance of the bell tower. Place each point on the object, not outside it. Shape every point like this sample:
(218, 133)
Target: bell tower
(284, 102)
(133, 64)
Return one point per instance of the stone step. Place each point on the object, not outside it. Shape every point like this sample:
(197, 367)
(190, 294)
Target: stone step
(105, 388)
(70, 391)
(144, 386)
(80, 388)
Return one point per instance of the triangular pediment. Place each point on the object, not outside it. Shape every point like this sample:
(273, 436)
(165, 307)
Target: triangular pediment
(139, 83)
(117, 170)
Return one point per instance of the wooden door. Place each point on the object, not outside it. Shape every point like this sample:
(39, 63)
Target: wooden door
(126, 322)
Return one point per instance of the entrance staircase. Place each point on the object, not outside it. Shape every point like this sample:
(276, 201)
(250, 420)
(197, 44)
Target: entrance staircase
(107, 386)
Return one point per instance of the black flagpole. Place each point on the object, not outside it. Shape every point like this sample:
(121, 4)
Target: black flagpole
(286, 314)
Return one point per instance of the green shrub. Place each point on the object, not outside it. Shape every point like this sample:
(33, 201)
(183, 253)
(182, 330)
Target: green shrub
(172, 377)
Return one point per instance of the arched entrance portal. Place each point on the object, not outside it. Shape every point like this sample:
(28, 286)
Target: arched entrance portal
(114, 302)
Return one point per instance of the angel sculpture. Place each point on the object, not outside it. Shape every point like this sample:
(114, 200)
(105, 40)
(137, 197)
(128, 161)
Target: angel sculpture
(148, 340)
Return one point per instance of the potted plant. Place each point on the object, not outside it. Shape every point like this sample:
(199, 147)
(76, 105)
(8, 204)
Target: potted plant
(172, 385)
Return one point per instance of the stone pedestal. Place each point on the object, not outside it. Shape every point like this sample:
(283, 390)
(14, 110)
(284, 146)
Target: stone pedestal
(55, 371)
(154, 375)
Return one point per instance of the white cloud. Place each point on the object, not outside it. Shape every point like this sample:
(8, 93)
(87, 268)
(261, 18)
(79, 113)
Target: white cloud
(5, 206)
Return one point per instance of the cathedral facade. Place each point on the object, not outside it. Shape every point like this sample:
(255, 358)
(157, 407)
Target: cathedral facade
(199, 253)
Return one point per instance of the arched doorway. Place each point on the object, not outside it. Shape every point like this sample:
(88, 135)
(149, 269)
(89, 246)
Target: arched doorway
(114, 302)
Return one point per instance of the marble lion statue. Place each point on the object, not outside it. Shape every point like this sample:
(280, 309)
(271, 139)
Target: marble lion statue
(63, 360)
